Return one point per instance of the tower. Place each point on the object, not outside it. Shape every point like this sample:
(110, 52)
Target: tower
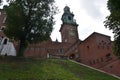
(69, 32)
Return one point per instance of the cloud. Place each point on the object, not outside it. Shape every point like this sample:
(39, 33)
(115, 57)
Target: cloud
(93, 7)
(89, 14)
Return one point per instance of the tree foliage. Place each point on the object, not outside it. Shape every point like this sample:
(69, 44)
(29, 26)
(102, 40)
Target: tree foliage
(29, 21)
(0, 2)
(113, 23)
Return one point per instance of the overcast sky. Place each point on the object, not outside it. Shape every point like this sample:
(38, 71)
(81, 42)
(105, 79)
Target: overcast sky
(89, 14)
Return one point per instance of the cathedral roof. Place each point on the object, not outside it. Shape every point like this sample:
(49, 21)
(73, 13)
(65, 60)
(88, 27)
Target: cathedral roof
(96, 33)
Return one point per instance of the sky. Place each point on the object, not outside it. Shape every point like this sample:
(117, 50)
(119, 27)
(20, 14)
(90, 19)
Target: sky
(89, 15)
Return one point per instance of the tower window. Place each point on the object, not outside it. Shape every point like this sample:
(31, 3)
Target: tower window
(69, 17)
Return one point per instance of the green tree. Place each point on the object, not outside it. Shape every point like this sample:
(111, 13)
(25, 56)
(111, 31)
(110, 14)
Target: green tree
(29, 21)
(113, 23)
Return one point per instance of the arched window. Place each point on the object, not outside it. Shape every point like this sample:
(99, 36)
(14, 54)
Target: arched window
(5, 41)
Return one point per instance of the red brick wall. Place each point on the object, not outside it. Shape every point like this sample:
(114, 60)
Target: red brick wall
(96, 51)
(42, 49)
(113, 68)
(65, 33)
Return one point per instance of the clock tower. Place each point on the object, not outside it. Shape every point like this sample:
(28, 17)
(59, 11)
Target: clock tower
(69, 32)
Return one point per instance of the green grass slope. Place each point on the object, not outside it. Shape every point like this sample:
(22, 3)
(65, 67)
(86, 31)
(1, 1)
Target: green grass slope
(47, 69)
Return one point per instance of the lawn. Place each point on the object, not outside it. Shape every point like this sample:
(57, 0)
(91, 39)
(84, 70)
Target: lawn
(12, 68)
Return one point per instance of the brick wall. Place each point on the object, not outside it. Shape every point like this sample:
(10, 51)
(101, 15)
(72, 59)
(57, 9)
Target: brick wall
(96, 51)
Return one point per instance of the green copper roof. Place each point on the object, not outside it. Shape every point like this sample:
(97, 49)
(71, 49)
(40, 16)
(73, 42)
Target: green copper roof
(68, 17)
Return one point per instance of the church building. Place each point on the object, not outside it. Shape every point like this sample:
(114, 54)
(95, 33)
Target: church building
(95, 51)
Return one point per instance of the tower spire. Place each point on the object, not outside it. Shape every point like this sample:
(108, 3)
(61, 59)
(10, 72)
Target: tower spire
(68, 17)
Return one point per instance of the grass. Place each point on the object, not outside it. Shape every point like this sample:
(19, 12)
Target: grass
(47, 69)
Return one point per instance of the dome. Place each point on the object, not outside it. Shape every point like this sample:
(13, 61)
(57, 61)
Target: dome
(66, 9)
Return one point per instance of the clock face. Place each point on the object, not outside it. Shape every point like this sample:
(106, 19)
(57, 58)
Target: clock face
(71, 33)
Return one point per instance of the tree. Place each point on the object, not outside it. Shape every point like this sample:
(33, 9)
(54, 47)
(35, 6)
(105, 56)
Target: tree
(29, 21)
(0, 2)
(113, 23)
